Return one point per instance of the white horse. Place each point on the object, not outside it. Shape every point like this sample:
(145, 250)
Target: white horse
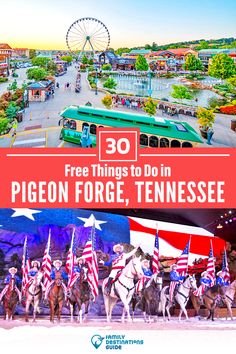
(229, 298)
(182, 297)
(123, 288)
(34, 295)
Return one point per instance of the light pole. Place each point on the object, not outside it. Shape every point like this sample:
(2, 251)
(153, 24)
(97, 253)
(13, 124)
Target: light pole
(149, 74)
(96, 79)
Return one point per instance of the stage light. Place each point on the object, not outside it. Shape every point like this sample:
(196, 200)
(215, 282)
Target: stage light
(219, 226)
(226, 222)
(230, 212)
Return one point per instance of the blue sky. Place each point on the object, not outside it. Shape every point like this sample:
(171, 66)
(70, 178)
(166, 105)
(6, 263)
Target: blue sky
(44, 23)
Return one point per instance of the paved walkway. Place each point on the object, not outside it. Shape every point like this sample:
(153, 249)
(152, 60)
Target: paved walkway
(40, 123)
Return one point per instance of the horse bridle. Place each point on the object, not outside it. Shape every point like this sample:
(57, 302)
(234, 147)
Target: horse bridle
(126, 287)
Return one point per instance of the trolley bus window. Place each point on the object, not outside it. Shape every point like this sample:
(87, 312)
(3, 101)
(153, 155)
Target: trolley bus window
(72, 124)
(143, 139)
(153, 141)
(66, 123)
(186, 144)
(164, 143)
(175, 144)
(84, 125)
(93, 129)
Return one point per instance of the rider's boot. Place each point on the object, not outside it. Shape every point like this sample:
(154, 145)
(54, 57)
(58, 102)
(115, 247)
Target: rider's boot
(108, 286)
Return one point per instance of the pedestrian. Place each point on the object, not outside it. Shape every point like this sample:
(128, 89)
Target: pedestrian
(210, 133)
(14, 127)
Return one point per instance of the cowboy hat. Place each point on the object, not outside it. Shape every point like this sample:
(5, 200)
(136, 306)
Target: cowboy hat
(38, 263)
(220, 272)
(12, 269)
(118, 246)
(203, 273)
(174, 266)
(57, 261)
(80, 258)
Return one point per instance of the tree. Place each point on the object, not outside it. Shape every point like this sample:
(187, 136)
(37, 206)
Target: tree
(232, 81)
(150, 107)
(13, 86)
(84, 59)
(107, 101)
(41, 61)
(141, 64)
(52, 67)
(122, 50)
(4, 123)
(203, 45)
(110, 83)
(222, 67)
(206, 117)
(181, 92)
(12, 110)
(192, 63)
(36, 74)
(67, 58)
(106, 67)
(32, 53)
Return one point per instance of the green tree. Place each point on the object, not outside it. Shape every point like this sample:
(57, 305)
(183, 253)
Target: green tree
(52, 67)
(12, 110)
(32, 53)
(4, 124)
(67, 58)
(192, 63)
(110, 83)
(107, 101)
(232, 81)
(141, 64)
(181, 92)
(106, 67)
(222, 67)
(203, 45)
(41, 61)
(13, 86)
(206, 118)
(150, 107)
(84, 59)
(122, 50)
(36, 74)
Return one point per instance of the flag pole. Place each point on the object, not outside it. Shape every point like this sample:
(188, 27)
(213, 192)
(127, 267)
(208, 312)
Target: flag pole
(190, 240)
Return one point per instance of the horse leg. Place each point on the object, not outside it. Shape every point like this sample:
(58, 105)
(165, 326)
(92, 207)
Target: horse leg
(51, 311)
(27, 310)
(126, 302)
(86, 311)
(112, 303)
(229, 310)
(107, 307)
(60, 303)
(183, 310)
(36, 304)
(168, 311)
(71, 312)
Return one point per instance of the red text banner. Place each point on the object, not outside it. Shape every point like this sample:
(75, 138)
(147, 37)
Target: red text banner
(199, 178)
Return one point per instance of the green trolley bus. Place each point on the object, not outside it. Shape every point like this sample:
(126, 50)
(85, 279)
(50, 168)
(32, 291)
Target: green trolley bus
(154, 131)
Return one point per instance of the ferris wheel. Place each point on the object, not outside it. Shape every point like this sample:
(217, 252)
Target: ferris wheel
(87, 35)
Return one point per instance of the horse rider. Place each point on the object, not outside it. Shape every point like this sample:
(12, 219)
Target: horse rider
(117, 262)
(175, 280)
(7, 281)
(57, 270)
(220, 279)
(80, 262)
(206, 282)
(147, 273)
(35, 265)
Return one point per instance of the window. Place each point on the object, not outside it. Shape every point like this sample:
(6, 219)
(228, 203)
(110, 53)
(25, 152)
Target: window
(153, 141)
(84, 125)
(93, 129)
(164, 143)
(143, 139)
(180, 127)
(175, 144)
(101, 126)
(186, 144)
(72, 124)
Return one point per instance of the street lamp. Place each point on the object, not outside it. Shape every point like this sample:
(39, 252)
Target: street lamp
(149, 75)
(96, 79)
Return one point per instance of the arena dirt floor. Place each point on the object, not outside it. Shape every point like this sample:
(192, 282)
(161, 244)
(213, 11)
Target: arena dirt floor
(138, 324)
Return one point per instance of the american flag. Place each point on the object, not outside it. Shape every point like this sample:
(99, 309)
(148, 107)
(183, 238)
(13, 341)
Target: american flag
(71, 260)
(25, 265)
(225, 266)
(211, 265)
(90, 256)
(182, 263)
(47, 262)
(155, 258)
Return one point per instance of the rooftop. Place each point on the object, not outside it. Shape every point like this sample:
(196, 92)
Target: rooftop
(4, 46)
(39, 85)
(139, 51)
